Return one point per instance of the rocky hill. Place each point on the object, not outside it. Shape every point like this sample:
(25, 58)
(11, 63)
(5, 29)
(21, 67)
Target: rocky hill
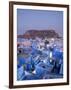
(39, 33)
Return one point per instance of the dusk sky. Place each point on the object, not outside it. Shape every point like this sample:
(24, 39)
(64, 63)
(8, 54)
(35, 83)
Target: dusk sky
(28, 19)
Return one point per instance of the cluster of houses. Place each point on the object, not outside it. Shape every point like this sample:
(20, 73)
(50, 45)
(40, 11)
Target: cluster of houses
(38, 43)
(45, 58)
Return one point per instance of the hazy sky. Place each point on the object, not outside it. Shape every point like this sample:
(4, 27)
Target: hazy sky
(39, 19)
